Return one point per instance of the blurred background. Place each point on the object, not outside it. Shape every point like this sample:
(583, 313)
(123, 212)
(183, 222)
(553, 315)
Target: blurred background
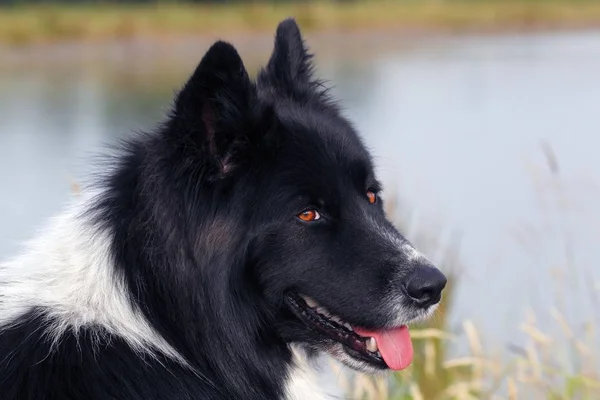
(483, 117)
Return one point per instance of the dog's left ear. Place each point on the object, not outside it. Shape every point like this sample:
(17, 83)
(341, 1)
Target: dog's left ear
(289, 70)
(217, 109)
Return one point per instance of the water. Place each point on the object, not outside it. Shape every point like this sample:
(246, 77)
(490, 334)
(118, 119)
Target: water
(458, 126)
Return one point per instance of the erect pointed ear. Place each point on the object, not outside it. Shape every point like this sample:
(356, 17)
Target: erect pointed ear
(217, 106)
(289, 70)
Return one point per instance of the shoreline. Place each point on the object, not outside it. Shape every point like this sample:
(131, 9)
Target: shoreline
(34, 26)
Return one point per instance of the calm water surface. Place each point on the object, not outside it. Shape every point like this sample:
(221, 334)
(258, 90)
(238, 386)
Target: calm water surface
(462, 129)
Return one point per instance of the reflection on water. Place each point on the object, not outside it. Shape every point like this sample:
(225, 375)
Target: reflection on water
(456, 125)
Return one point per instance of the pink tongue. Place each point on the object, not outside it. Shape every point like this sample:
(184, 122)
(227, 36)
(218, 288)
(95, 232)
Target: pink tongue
(394, 345)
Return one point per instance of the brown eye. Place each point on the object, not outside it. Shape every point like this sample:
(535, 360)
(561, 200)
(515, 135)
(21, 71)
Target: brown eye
(309, 216)
(372, 197)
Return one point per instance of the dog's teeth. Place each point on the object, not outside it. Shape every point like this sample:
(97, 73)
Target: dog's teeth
(323, 311)
(347, 325)
(310, 302)
(372, 345)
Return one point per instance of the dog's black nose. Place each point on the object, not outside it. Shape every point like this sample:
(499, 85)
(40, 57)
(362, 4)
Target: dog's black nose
(424, 286)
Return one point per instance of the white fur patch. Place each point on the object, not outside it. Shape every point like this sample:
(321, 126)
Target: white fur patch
(302, 383)
(69, 272)
(412, 254)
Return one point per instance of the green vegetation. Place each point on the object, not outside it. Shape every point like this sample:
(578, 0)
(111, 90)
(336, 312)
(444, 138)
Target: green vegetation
(23, 23)
(537, 372)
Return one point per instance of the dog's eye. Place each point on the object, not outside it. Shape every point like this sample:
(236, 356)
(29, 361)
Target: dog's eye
(372, 197)
(309, 215)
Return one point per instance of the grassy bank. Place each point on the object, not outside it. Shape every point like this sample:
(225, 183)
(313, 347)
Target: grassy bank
(33, 24)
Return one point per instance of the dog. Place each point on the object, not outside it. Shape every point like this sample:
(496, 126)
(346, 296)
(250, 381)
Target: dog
(219, 254)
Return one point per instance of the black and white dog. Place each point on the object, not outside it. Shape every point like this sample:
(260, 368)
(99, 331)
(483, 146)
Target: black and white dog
(218, 254)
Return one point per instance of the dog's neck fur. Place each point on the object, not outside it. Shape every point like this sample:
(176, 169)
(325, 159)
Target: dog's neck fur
(67, 270)
(185, 271)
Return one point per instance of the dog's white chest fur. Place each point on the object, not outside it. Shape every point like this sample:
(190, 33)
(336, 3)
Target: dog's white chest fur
(303, 382)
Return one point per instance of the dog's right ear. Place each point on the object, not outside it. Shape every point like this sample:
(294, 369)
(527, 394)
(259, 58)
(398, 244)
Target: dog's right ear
(289, 70)
(214, 107)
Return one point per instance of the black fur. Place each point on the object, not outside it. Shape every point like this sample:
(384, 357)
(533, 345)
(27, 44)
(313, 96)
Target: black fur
(87, 365)
(203, 217)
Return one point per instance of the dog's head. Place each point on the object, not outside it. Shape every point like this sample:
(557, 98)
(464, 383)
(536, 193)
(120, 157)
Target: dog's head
(318, 249)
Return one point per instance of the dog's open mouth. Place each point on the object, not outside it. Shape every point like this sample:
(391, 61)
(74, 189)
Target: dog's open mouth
(386, 348)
